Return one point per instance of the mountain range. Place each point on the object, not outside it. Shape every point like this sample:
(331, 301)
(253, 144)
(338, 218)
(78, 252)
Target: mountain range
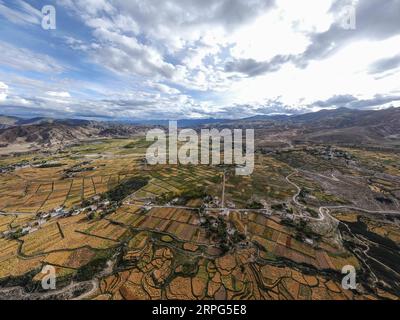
(341, 126)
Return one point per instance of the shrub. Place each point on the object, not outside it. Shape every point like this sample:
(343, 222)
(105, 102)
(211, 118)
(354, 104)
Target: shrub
(126, 188)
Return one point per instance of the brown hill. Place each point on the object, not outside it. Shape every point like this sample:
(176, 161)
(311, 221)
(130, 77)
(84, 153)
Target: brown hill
(57, 133)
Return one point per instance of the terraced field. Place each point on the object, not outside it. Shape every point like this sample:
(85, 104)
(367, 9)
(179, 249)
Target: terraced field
(157, 275)
(199, 232)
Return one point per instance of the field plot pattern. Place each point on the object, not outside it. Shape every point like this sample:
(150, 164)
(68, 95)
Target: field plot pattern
(200, 232)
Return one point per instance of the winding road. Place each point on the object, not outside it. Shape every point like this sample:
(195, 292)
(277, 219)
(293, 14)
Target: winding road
(324, 210)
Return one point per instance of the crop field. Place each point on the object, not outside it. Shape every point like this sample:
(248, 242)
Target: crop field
(278, 241)
(105, 230)
(40, 190)
(70, 259)
(175, 179)
(48, 196)
(313, 162)
(68, 243)
(11, 264)
(267, 182)
(5, 222)
(232, 276)
(70, 233)
(126, 215)
(379, 161)
(103, 146)
(182, 224)
(168, 243)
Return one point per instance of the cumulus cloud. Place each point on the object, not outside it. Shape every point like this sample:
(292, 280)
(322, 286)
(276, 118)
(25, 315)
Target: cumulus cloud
(124, 54)
(164, 88)
(182, 20)
(374, 21)
(133, 37)
(208, 58)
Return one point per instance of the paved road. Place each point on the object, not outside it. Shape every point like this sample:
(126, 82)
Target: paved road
(294, 198)
(324, 210)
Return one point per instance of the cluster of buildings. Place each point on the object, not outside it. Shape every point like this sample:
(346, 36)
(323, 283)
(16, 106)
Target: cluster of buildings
(95, 207)
(27, 228)
(329, 153)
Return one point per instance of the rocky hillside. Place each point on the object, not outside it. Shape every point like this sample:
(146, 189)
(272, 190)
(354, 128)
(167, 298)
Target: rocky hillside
(60, 132)
(341, 126)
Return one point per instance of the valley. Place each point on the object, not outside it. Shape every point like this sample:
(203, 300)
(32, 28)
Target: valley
(115, 227)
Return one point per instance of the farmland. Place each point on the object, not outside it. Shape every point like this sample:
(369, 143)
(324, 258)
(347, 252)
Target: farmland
(117, 228)
(200, 150)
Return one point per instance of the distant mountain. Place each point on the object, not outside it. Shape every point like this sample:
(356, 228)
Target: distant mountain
(56, 133)
(36, 120)
(340, 126)
(349, 126)
(325, 115)
(181, 123)
(6, 121)
(355, 126)
(9, 121)
(336, 118)
(344, 118)
(43, 134)
(274, 117)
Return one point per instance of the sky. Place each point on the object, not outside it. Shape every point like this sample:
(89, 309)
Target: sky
(180, 59)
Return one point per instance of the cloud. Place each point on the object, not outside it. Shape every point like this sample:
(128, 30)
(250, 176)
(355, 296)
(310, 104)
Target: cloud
(252, 68)
(349, 101)
(164, 88)
(385, 64)
(192, 58)
(187, 19)
(128, 103)
(27, 60)
(276, 106)
(3, 91)
(124, 54)
(135, 38)
(23, 13)
(375, 20)
(336, 101)
(61, 94)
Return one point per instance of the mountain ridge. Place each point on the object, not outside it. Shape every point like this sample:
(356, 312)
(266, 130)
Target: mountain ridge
(341, 125)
